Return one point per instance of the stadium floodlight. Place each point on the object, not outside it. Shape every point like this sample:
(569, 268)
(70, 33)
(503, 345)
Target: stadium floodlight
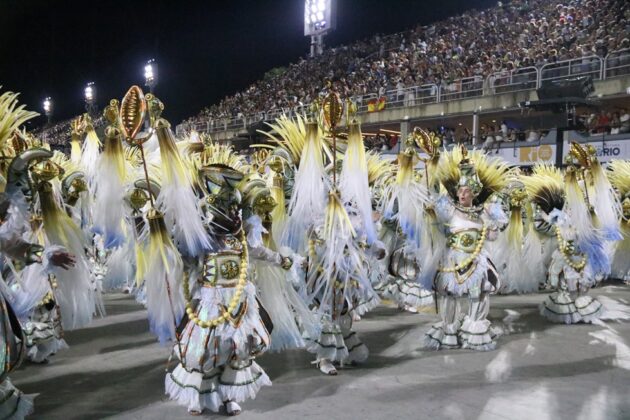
(319, 18)
(151, 74)
(48, 109)
(90, 93)
(48, 106)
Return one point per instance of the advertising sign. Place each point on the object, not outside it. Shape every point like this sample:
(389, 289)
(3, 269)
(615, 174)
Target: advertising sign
(528, 155)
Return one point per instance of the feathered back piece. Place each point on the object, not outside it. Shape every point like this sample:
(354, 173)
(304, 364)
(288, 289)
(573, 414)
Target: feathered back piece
(177, 199)
(290, 135)
(378, 168)
(164, 272)
(602, 197)
(90, 151)
(354, 186)
(340, 262)
(220, 153)
(404, 199)
(619, 175)
(12, 116)
(517, 200)
(309, 194)
(491, 171)
(110, 189)
(545, 187)
(588, 239)
(77, 298)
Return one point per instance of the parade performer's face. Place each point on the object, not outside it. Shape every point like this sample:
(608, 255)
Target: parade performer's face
(465, 196)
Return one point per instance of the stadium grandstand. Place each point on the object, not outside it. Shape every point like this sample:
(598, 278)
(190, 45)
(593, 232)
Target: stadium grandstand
(521, 75)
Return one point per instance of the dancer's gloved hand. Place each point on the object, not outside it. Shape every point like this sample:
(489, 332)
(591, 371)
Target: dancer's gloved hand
(62, 259)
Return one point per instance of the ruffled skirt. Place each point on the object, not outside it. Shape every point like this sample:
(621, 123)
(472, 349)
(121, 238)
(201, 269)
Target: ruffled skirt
(217, 364)
(338, 343)
(13, 404)
(562, 308)
(43, 334)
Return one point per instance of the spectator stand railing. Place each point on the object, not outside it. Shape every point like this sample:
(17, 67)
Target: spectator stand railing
(468, 87)
(615, 64)
(523, 78)
(398, 98)
(584, 66)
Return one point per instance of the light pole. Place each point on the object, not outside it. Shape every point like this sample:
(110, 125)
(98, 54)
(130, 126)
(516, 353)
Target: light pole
(48, 109)
(319, 18)
(89, 93)
(151, 74)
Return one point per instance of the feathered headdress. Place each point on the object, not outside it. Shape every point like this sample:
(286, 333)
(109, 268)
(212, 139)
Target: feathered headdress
(489, 172)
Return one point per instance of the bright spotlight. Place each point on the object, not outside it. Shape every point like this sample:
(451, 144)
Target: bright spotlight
(48, 106)
(151, 74)
(90, 93)
(318, 17)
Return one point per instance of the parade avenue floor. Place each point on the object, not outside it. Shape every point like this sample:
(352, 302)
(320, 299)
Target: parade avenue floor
(115, 369)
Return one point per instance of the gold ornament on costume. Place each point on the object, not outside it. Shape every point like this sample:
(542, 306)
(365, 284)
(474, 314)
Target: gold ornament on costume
(470, 259)
(154, 108)
(77, 128)
(259, 159)
(138, 198)
(582, 156)
(18, 142)
(427, 142)
(333, 109)
(568, 251)
(46, 171)
(468, 174)
(518, 197)
(234, 301)
(79, 185)
(132, 110)
(111, 112)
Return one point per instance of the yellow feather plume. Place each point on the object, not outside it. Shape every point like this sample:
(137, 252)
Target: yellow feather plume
(619, 175)
(12, 116)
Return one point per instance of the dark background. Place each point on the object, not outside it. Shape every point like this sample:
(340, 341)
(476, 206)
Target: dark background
(205, 49)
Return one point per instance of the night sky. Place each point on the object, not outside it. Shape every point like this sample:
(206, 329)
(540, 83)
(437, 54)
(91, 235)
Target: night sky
(205, 49)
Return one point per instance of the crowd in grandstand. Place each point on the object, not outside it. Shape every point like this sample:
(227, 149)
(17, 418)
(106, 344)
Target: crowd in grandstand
(606, 122)
(58, 134)
(473, 45)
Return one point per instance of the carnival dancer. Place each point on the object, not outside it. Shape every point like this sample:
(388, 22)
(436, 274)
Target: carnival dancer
(341, 245)
(579, 260)
(17, 302)
(213, 315)
(402, 209)
(619, 175)
(469, 219)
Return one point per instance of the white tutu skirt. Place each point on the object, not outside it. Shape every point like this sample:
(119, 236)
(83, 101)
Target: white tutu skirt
(562, 308)
(408, 293)
(43, 334)
(217, 364)
(338, 343)
(13, 404)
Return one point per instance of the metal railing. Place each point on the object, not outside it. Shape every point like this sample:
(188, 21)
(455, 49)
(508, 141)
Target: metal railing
(615, 64)
(591, 65)
(523, 78)
(468, 87)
